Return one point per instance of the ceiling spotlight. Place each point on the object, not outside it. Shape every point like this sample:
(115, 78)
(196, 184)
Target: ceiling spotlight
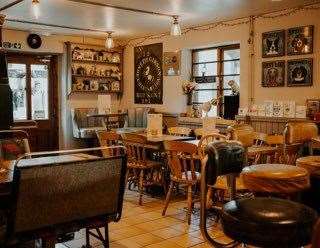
(35, 7)
(109, 41)
(175, 27)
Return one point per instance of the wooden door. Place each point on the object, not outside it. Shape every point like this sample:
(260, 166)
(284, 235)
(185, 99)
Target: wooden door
(33, 80)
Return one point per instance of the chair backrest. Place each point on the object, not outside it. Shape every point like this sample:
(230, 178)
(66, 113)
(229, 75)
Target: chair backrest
(199, 132)
(243, 133)
(136, 147)
(300, 132)
(80, 119)
(275, 140)
(296, 134)
(181, 159)
(13, 144)
(206, 140)
(109, 138)
(53, 196)
(180, 131)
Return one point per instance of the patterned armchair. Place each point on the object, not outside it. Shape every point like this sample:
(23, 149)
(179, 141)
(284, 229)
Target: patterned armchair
(84, 127)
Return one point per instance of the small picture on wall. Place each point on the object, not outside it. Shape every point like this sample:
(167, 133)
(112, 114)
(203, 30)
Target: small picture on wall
(273, 44)
(273, 74)
(300, 40)
(171, 63)
(300, 72)
(313, 107)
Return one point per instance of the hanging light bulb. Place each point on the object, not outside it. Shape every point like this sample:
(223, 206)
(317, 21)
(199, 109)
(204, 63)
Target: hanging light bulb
(35, 7)
(175, 27)
(109, 41)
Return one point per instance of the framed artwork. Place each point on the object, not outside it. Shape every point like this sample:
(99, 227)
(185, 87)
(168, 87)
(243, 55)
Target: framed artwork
(273, 44)
(171, 63)
(148, 88)
(300, 72)
(313, 107)
(300, 40)
(273, 73)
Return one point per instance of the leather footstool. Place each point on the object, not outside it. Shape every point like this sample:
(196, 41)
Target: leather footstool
(268, 222)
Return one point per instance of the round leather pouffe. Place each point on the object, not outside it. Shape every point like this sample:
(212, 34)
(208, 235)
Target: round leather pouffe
(268, 222)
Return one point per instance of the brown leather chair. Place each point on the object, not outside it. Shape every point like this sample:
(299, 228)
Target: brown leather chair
(262, 222)
(296, 134)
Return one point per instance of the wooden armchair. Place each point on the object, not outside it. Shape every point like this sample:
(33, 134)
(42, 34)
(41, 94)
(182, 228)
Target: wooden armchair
(181, 160)
(108, 138)
(179, 131)
(143, 170)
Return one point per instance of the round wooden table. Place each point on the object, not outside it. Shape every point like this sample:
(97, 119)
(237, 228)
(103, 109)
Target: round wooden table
(275, 178)
(311, 164)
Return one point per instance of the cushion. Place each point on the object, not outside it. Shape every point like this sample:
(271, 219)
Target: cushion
(11, 149)
(268, 222)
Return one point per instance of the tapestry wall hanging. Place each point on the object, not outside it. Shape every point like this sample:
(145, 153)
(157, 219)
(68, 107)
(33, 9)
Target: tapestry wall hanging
(273, 44)
(273, 74)
(148, 88)
(300, 72)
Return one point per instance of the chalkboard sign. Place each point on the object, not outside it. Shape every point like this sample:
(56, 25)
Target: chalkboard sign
(148, 74)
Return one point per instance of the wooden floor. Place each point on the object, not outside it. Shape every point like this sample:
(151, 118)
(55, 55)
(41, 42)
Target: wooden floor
(144, 226)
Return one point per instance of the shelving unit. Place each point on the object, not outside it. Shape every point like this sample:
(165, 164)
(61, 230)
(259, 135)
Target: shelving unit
(94, 69)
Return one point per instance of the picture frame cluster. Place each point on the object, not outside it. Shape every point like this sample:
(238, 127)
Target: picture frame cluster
(292, 42)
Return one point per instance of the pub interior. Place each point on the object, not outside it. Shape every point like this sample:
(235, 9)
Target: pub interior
(159, 124)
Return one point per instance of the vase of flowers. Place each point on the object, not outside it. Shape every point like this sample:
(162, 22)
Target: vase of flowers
(187, 88)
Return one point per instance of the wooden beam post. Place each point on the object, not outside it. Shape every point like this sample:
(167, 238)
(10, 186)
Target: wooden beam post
(2, 20)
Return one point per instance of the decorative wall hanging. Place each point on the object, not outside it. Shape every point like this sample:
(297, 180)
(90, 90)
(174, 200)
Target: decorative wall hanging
(300, 40)
(171, 63)
(273, 44)
(300, 72)
(273, 74)
(148, 88)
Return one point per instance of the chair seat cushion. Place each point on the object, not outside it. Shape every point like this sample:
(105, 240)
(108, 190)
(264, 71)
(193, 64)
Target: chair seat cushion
(268, 222)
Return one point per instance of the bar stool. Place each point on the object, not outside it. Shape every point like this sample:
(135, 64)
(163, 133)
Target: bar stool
(312, 165)
(278, 179)
(263, 222)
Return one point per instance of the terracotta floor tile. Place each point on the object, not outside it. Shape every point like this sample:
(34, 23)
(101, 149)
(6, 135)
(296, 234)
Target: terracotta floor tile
(186, 240)
(168, 232)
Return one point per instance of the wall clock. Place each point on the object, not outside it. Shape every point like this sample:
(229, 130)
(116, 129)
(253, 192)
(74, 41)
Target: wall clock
(34, 41)
(148, 74)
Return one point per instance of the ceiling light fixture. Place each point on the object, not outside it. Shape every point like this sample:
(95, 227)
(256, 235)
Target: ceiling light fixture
(35, 7)
(175, 27)
(109, 41)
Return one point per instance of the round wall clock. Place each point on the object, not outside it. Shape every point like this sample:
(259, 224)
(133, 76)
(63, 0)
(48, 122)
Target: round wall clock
(34, 41)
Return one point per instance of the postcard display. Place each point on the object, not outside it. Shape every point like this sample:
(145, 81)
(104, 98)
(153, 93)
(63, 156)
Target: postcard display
(95, 69)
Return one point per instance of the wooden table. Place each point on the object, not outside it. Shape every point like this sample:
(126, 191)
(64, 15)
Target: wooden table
(7, 168)
(106, 117)
(157, 143)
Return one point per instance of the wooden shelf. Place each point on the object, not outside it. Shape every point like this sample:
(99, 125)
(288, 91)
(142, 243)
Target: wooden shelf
(97, 77)
(95, 62)
(94, 92)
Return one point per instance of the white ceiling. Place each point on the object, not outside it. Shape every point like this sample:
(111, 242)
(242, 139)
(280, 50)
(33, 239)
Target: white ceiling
(126, 24)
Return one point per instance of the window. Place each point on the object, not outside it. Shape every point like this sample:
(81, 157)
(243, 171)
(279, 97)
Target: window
(29, 84)
(212, 69)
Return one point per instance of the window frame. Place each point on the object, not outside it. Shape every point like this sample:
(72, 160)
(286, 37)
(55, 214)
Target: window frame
(219, 78)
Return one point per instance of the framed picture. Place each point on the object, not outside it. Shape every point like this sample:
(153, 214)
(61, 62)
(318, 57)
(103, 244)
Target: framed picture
(273, 73)
(300, 40)
(313, 107)
(273, 44)
(171, 63)
(300, 72)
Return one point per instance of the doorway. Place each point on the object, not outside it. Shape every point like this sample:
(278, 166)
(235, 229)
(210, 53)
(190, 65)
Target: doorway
(33, 81)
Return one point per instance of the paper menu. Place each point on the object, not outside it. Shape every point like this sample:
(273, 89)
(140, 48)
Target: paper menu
(154, 125)
(104, 104)
(289, 109)
(268, 108)
(301, 112)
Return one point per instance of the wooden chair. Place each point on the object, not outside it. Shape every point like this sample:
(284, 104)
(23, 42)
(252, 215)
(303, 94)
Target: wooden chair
(109, 138)
(181, 160)
(296, 134)
(205, 140)
(260, 138)
(179, 131)
(144, 171)
(199, 132)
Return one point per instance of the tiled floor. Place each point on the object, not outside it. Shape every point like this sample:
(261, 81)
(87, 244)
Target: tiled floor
(144, 226)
